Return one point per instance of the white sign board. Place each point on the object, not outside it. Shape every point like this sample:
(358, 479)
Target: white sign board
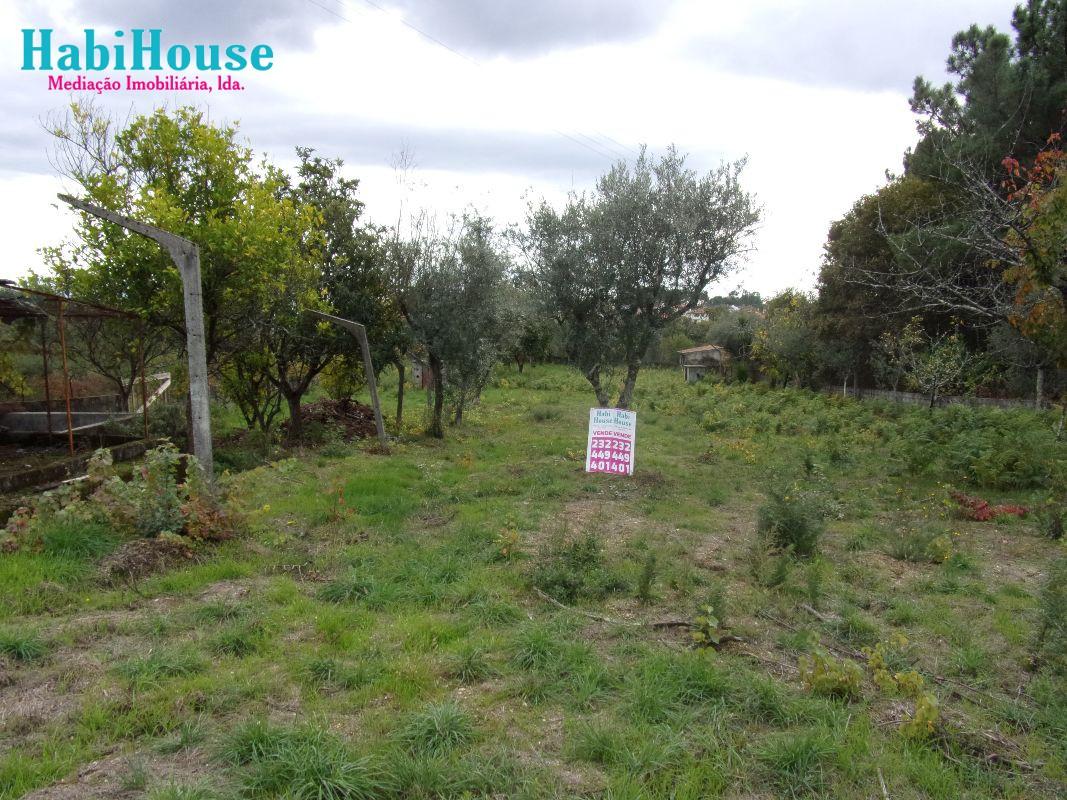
(612, 441)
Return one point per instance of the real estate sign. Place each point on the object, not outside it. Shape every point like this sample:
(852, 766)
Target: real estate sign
(612, 441)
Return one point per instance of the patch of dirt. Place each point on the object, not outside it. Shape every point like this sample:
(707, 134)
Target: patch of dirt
(354, 419)
(105, 777)
(140, 557)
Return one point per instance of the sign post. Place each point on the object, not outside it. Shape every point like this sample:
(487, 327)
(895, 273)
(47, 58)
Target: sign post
(612, 441)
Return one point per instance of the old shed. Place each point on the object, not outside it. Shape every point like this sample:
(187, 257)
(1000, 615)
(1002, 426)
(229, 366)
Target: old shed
(696, 362)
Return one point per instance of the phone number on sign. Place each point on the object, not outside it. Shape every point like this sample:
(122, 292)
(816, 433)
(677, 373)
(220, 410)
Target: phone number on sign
(610, 444)
(609, 466)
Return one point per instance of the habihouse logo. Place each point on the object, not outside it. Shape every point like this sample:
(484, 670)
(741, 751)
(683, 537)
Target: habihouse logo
(141, 51)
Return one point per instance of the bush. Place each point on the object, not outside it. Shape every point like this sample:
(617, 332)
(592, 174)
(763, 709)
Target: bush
(151, 503)
(574, 569)
(793, 519)
(823, 674)
(920, 547)
(1052, 631)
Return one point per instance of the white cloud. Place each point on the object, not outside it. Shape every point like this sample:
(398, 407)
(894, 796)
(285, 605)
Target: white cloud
(544, 115)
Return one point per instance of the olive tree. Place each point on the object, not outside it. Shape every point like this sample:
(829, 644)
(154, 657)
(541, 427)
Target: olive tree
(450, 291)
(621, 264)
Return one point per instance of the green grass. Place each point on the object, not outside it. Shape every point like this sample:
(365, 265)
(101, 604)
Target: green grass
(22, 645)
(399, 649)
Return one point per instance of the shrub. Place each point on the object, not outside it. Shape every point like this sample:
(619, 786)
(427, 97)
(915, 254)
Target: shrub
(823, 674)
(1052, 630)
(793, 519)
(574, 569)
(646, 579)
(920, 547)
(151, 503)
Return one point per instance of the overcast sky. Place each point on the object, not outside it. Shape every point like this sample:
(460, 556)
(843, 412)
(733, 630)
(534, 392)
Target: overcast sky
(503, 101)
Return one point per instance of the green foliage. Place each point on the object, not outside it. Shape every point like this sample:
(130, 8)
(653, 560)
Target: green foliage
(67, 537)
(823, 674)
(1052, 630)
(792, 519)
(305, 763)
(153, 502)
(573, 569)
(929, 546)
(437, 729)
(22, 644)
(614, 292)
(796, 763)
(706, 630)
(646, 578)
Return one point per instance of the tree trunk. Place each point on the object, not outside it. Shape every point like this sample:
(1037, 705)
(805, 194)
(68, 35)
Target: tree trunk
(457, 418)
(399, 393)
(521, 360)
(1039, 388)
(296, 419)
(1063, 416)
(593, 376)
(436, 430)
(844, 387)
(626, 396)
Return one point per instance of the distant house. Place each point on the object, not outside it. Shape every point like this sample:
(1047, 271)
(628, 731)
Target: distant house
(696, 362)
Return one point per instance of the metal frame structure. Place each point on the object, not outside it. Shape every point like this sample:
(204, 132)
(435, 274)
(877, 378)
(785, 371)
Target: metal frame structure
(64, 308)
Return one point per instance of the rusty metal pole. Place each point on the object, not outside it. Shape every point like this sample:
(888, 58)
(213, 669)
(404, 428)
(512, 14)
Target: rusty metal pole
(47, 389)
(66, 378)
(144, 391)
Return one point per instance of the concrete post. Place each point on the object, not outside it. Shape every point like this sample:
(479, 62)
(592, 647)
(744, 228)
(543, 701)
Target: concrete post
(186, 256)
(360, 332)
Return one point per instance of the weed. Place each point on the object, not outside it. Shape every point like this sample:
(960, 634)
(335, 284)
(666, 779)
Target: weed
(706, 630)
(535, 647)
(160, 664)
(305, 763)
(545, 414)
(646, 579)
(238, 640)
(796, 763)
(1052, 628)
(597, 744)
(823, 674)
(76, 539)
(437, 729)
(923, 546)
(22, 645)
(792, 519)
(470, 665)
(575, 569)
(352, 587)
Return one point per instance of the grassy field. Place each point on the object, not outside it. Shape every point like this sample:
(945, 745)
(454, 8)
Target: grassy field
(480, 618)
